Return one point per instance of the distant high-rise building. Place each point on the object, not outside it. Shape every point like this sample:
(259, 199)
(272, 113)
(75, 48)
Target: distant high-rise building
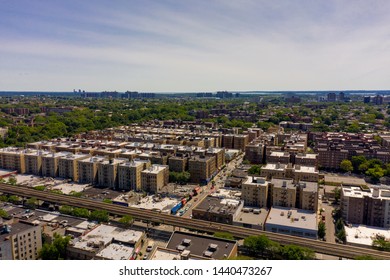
(331, 97)
(367, 99)
(341, 96)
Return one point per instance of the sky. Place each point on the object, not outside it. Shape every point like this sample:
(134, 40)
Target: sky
(192, 46)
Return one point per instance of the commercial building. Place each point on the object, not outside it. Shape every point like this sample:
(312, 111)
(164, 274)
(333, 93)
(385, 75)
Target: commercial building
(292, 221)
(154, 178)
(254, 192)
(20, 240)
(218, 210)
(107, 243)
(193, 245)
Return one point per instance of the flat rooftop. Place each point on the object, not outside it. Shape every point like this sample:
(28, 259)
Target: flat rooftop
(116, 252)
(155, 168)
(169, 254)
(200, 245)
(255, 181)
(291, 217)
(279, 183)
(252, 217)
(274, 166)
(364, 235)
(216, 204)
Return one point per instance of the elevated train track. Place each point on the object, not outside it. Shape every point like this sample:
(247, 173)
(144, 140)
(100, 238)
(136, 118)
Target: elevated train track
(339, 250)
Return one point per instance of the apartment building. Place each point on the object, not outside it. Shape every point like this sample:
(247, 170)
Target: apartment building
(228, 141)
(273, 170)
(68, 166)
(88, 169)
(296, 172)
(50, 163)
(364, 205)
(178, 163)
(279, 157)
(20, 240)
(201, 169)
(108, 171)
(255, 152)
(12, 159)
(219, 154)
(254, 192)
(240, 141)
(33, 161)
(129, 174)
(306, 159)
(284, 193)
(307, 196)
(154, 178)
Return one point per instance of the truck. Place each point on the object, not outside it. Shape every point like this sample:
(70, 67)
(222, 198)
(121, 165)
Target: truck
(176, 208)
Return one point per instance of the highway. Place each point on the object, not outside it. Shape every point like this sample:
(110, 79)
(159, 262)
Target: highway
(339, 250)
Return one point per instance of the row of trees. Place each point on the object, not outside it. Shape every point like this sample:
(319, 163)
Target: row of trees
(261, 246)
(96, 215)
(374, 168)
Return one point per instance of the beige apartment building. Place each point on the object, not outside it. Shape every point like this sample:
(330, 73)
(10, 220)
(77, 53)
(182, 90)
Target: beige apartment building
(284, 193)
(12, 159)
(240, 141)
(21, 240)
(364, 205)
(129, 174)
(108, 171)
(178, 164)
(307, 196)
(33, 161)
(88, 169)
(68, 166)
(254, 192)
(154, 178)
(50, 163)
(219, 154)
(201, 169)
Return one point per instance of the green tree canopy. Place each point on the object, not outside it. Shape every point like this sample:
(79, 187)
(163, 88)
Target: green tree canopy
(346, 165)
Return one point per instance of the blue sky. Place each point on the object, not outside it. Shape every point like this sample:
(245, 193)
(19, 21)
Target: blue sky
(178, 45)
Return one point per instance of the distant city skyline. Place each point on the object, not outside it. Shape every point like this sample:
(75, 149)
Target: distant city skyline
(192, 46)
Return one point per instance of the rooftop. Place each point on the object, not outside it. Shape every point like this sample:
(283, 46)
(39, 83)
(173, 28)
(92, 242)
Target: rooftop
(364, 235)
(345, 180)
(292, 217)
(155, 168)
(200, 245)
(116, 252)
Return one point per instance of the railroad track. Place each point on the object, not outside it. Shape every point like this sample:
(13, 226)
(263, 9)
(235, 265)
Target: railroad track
(339, 250)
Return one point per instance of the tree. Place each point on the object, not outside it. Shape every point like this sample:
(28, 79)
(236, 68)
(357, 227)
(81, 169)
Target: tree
(381, 243)
(3, 198)
(67, 210)
(342, 235)
(257, 244)
(225, 235)
(294, 252)
(39, 188)
(127, 220)
(76, 194)
(31, 203)
(14, 199)
(12, 180)
(80, 212)
(179, 177)
(254, 170)
(375, 173)
(357, 161)
(240, 258)
(337, 194)
(107, 200)
(56, 250)
(321, 229)
(3, 213)
(99, 215)
(346, 165)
